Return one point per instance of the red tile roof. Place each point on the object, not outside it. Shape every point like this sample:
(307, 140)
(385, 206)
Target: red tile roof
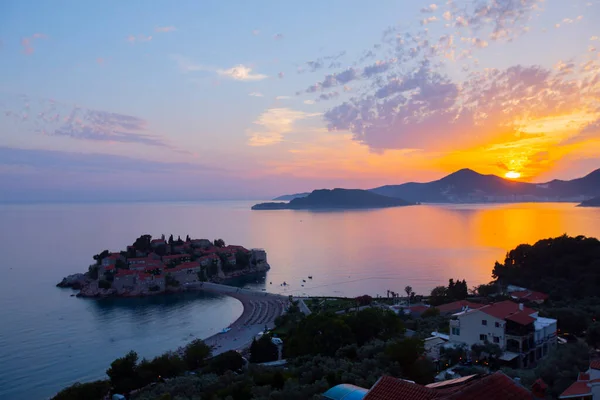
(496, 386)
(529, 295)
(521, 318)
(576, 389)
(583, 376)
(109, 267)
(388, 388)
(507, 308)
(125, 272)
(595, 364)
(418, 308)
(457, 306)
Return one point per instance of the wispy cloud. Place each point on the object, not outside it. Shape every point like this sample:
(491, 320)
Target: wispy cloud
(282, 97)
(429, 20)
(280, 75)
(278, 36)
(255, 94)
(256, 32)
(429, 9)
(273, 124)
(138, 39)
(164, 29)
(27, 42)
(240, 73)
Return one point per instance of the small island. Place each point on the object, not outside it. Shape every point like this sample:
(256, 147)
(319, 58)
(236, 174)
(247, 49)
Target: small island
(336, 199)
(593, 202)
(153, 266)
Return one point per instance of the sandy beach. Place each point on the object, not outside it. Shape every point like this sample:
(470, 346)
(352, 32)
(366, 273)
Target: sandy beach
(260, 311)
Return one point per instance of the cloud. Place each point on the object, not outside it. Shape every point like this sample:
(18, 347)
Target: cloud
(429, 9)
(138, 39)
(273, 124)
(255, 32)
(447, 16)
(328, 96)
(280, 75)
(240, 73)
(309, 102)
(429, 20)
(164, 29)
(100, 60)
(27, 42)
(282, 98)
(278, 36)
(255, 94)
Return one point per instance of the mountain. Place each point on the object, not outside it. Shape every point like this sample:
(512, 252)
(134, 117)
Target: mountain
(336, 199)
(288, 197)
(469, 186)
(593, 202)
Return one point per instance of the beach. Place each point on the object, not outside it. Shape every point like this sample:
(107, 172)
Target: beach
(260, 311)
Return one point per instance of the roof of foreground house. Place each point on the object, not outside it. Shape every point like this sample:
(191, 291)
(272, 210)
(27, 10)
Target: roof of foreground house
(529, 295)
(345, 392)
(457, 305)
(496, 386)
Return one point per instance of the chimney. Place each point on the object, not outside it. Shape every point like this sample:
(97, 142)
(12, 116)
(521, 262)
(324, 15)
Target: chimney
(521, 306)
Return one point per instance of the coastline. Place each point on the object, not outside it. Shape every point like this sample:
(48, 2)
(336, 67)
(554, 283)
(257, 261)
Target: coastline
(259, 310)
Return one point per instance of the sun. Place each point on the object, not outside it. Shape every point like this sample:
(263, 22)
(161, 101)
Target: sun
(512, 175)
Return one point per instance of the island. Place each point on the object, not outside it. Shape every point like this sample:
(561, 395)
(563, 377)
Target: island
(593, 202)
(153, 266)
(336, 199)
(288, 197)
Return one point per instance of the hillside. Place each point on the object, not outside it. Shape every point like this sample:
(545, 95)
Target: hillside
(336, 199)
(469, 186)
(593, 202)
(288, 197)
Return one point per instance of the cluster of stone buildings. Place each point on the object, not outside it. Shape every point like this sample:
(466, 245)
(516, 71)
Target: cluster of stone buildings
(181, 263)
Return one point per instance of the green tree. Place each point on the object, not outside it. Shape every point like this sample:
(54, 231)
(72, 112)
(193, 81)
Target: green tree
(263, 350)
(166, 365)
(242, 259)
(96, 390)
(93, 272)
(120, 264)
(170, 239)
(438, 295)
(100, 256)
(102, 284)
(170, 281)
(570, 320)
(228, 361)
(219, 243)
(405, 351)
(196, 353)
(592, 336)
(318, 334)
(123, 373)
(430, 312)
(408, 290)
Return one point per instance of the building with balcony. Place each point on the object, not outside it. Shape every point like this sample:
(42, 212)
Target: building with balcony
(523, 336)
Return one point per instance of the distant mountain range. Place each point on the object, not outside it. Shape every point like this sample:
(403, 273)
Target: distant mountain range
(336, 199)
(288, 197)
(468, 186)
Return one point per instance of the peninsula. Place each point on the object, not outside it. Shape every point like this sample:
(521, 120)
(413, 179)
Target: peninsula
(336, 199)
(152, 266)
(593, 202)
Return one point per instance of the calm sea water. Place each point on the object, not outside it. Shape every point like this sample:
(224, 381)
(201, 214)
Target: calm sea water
(49, 339)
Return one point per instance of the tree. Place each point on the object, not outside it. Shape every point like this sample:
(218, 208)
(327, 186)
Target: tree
(228, 361)
(592, 336)
(93, 272)
(99, 257)
(123, 373)
(263, 350)
(408, 290)
(170, 281)
(187, 238)
(166, 365)
(102, 284)
(219, 243)
(438, 295)
(405, 351)
(170, 239)
(484, 290)
(83, 391)
(143, 243)
(196, 353)
(430, 312)
(162, 236)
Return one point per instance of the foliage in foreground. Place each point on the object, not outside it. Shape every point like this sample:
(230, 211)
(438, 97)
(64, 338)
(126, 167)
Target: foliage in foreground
(84, 391)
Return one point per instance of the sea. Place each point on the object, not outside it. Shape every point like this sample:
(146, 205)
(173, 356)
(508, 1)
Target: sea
(50, 339)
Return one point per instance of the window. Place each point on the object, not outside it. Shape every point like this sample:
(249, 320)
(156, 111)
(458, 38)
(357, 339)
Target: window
(497, 324)
(456, 331)
(496, 339)
(484, 322)
(483, 337)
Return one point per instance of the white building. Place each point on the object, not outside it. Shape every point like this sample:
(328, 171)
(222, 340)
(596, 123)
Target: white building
(519, 331)
(587, 386)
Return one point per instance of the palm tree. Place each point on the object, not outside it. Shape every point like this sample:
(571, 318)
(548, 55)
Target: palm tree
(408, 291)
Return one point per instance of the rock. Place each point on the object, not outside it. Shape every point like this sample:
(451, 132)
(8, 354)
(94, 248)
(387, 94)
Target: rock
(75, 281)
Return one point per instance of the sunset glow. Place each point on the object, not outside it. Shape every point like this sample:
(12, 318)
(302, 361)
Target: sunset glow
(267, 108)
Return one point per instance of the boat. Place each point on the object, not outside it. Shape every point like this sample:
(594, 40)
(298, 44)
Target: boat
(303, 280)
(310, 277)
(225, 330)
(284, 284)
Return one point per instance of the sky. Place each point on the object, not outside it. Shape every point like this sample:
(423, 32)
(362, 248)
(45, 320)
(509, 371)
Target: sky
(140, 100)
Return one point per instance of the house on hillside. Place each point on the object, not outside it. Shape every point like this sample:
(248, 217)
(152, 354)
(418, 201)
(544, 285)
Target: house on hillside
(529, 295)
(457, 306)
(517, 330)
(111, 259)
(587, 386)
(496, 386)
(157, 243)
